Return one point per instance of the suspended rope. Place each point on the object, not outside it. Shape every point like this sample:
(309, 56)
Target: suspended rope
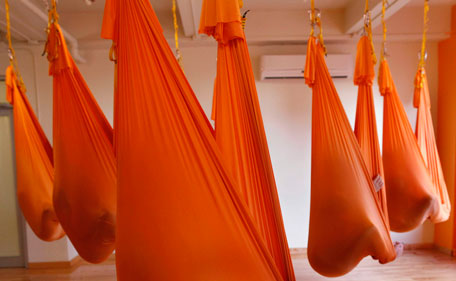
(315, 19)
(425, 30)
(11, 52)
(383, 51)
(176, 34)
(423, 55)
(368, 29)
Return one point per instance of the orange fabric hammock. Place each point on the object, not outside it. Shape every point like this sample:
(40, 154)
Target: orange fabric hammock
(34, 165)
(426, 141)
(346, 220)
(85, 172)
(175, 194)
(240, 131)
(365, 123)
(410, 195)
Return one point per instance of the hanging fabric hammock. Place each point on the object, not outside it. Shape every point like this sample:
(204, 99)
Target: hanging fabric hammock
(425, 130)
(410, 195)
(34, 162)
(346, 220)
(85, 172)
(240, 131)
(428, 146)
(365, 122)
(34, 168)
(175, 194)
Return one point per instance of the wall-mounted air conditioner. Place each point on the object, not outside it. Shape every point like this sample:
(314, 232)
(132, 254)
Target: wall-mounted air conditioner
(292, 66)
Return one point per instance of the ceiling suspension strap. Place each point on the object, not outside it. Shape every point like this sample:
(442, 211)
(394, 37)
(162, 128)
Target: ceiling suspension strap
(176, 35)
(383, 51)
(11, 52)
(423, 53)
(315, 20)
(423, 56)
(368, 29)
(53, 18)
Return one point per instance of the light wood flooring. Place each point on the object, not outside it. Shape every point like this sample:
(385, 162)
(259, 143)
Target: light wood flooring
(416, 265)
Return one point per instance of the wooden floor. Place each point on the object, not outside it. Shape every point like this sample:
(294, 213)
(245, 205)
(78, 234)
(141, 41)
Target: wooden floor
(414, 265)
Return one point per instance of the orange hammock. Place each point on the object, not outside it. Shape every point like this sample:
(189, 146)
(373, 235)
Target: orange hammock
(410, 195)
(175, 194)
(85, 172)
(365, 123)
(240, 131)
(428, 146)
(346, 220)
(34, 165)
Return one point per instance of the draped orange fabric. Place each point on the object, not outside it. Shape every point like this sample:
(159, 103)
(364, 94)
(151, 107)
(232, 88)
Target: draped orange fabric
(426, 141)
(175, 194)
(34, 165)
(346, 220)
(365, 123)
(240, 131)
(409, 189)
(85, 172)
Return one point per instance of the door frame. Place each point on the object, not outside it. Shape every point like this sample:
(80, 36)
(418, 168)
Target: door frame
(22, 260)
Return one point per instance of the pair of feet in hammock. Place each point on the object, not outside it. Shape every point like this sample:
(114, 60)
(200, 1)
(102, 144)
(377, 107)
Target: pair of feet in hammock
(399, 247)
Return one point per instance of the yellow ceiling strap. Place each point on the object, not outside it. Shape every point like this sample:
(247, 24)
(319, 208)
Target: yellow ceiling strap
(315, 19)
(368, 30)
(312, 18)
(176, 34)
(383, 51)
(11, 52)
(425, 30)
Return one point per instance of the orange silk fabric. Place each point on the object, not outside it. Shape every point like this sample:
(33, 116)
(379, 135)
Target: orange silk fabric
(85, 171)
(365, 123)
(240, 131)
(180, 217)
(410, 195)
(346, 220)
(426, 141)
(34, 165)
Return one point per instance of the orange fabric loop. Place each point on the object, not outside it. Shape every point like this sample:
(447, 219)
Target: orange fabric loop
(175, 192)
(346, 219)
(34, 186)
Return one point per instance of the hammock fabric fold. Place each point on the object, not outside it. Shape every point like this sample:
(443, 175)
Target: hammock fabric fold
(426, 142)
(240, 131)
(410, 195)
(85, 171)
(365, 123)
(34, 165)
(175, 194)
(346, 220)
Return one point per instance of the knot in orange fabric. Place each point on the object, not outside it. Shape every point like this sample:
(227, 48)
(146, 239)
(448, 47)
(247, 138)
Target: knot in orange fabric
(56, 50)
(421, 89)
(225, 23)
(385, 80)
(364, 68)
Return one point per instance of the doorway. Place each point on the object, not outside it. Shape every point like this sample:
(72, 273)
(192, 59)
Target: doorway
(12, 225)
